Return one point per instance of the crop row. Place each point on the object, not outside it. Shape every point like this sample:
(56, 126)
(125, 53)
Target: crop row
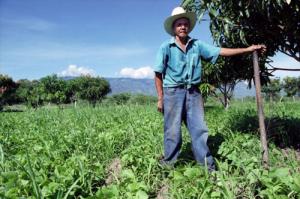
(113, 152)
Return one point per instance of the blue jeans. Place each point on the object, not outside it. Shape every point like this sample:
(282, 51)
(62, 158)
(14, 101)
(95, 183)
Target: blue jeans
(182, 104)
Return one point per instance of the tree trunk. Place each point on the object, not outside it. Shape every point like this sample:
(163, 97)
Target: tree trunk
(226, 102)
(225, 98)
(260, 111)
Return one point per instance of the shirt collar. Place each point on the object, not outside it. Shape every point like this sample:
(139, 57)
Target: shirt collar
(172, 40)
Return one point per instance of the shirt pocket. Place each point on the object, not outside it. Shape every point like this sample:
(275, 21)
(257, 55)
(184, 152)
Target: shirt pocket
(170, 91)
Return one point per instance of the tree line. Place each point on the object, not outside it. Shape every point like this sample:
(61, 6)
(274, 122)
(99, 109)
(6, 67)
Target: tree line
(56, 90)
(52, 89)
(59, 91)
(290, 86)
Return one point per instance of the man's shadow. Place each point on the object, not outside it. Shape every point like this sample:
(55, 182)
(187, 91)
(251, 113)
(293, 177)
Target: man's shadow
(11, 111)
(284, 132)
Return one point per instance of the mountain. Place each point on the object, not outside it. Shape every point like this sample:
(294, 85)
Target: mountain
(130, 85)
(241, 90)
(147, 87)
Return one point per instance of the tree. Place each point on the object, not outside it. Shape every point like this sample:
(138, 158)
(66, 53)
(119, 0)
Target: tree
(7, 89)
(274, 23)
(240, 23)
(225, 74)
(73, 90)
(290, 86)
(229, 29)
(141, 99)
(121, 98)
(93, 89)
(36, 95)
(22, 92)
(54, 89)
(272, 89)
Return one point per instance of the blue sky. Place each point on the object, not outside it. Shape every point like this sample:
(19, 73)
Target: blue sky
(100, 37)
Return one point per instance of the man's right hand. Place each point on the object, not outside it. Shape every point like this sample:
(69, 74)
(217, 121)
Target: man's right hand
(159, 89)
(160, 105)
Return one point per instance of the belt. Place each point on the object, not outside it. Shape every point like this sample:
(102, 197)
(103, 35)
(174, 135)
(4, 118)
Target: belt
(185, 86)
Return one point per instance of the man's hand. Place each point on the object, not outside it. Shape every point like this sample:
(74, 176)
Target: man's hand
(160, 105)
(260, 48)
(159, 89)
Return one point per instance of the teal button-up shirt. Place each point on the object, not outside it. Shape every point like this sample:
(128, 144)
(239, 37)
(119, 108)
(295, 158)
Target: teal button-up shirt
(183, 68)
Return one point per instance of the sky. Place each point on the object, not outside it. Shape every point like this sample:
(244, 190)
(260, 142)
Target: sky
(107, 38)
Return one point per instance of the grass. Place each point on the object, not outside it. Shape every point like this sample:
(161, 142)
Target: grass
(65, 153)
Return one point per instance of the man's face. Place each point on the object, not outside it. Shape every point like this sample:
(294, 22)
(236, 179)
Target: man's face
(181, 27)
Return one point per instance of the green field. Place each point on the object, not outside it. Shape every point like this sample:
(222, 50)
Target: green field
(113, 152)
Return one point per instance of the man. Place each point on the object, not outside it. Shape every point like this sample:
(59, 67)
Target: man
(177, 77)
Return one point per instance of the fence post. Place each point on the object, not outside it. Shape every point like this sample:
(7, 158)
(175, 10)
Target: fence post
(260, 111)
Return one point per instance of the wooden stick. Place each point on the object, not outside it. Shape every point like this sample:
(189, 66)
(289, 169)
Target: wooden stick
(260, 111)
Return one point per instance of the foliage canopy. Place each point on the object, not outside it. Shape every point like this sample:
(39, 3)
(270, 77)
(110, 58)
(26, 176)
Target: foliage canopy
(241, 23)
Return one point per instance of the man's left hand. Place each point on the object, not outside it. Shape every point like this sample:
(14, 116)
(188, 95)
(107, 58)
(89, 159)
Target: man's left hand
(260, 48)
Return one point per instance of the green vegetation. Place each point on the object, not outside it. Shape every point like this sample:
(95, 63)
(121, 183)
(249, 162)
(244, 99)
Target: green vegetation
(291, 86)
(52, 89)
(127, 99)
(272, 90)
(7, 90)
(237, 23)
(112, 151)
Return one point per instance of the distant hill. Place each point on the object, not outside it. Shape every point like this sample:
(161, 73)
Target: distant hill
(130, 85)
(147, 87)
(241, 90)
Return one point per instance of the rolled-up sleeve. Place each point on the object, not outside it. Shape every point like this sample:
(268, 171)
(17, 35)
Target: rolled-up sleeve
(160, 60)
(209, 52)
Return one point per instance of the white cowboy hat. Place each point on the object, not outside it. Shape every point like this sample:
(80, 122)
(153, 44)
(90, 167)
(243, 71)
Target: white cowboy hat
(177, 13)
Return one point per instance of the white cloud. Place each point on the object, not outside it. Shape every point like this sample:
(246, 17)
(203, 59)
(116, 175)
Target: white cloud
(75, 71)
(143, 72)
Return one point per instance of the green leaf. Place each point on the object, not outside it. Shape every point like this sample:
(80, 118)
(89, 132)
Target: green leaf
(213, 12)
(141, 195)
(191, 172)
(242, 37)
(247, 13)
(227, 20)
(296, 183)
(280, 172)
(226, 29)
(1, 154)
(185, 3)
(178, 176)
(108, 192)
(215, 194)
(128, 173)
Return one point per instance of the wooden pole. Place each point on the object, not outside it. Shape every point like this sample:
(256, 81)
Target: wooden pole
(260, 111)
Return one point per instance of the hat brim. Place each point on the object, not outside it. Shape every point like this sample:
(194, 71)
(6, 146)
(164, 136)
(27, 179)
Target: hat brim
(170, 20)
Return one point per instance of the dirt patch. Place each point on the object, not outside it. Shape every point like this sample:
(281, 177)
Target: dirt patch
(163, 192)
(113, 171)
(298, 155)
